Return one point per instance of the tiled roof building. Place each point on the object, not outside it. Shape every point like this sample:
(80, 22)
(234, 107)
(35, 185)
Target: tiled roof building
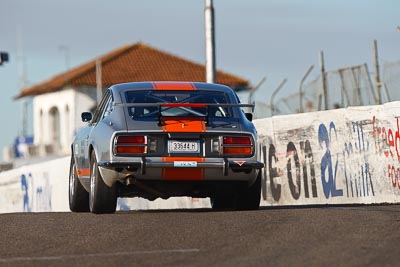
(136, 62)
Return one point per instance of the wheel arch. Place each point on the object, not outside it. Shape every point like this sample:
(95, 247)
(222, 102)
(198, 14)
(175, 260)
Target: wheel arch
(90, 150)
(72, 152)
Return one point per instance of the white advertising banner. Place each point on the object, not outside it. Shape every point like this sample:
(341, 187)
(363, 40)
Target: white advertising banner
(344, 156)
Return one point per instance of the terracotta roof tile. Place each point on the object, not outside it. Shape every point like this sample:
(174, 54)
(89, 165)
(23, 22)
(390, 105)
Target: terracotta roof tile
(137, 62)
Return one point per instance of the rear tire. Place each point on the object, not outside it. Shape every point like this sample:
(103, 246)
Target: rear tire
(102, 198)
(249, 199)
(244, 199)
(223, 202)
(78, 196)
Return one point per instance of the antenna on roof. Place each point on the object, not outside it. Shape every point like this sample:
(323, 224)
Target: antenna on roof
(65, 49)
(99, 90)
(20, 60)
(22, 78)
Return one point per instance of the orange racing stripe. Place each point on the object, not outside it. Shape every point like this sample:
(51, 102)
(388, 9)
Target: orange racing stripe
(182, 174)
(189, 126)
(175, 125)
(173, 86)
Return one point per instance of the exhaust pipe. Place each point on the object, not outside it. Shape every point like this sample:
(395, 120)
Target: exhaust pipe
(131, 180)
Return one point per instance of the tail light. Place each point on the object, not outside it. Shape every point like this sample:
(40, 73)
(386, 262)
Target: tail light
(237, 145)
(127, 144)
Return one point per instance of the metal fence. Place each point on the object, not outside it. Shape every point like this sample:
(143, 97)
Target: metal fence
(350, 86)
(391, 81)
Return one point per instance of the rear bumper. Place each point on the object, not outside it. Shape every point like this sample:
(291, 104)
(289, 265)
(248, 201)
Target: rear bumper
(143, 165)
(223, 169)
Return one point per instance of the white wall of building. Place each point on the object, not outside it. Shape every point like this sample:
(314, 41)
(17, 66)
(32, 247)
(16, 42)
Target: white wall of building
(85, 100)
(68, 104)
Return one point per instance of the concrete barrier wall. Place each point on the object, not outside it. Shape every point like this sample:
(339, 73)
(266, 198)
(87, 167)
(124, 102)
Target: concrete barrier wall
(43, 187)
(36, 187)
(332, 157)
(339, 156)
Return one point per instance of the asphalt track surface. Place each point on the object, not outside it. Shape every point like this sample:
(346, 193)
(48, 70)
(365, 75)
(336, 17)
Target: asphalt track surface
(303, 236)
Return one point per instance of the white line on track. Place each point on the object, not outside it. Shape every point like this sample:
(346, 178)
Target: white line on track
(74, 256)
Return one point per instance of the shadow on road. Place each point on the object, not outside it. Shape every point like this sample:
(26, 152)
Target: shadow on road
(267, 208)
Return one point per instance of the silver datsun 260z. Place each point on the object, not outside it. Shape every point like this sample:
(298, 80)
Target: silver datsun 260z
(164, 139)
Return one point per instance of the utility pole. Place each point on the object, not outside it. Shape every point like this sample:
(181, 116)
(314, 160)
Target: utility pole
(210, 41)
(323, 78)
(377, 76)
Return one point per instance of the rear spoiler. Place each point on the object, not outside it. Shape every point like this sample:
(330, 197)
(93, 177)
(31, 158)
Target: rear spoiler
(184, 105)
(194, 105)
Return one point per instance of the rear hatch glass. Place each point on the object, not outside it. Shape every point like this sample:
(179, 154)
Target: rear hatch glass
(155, 104)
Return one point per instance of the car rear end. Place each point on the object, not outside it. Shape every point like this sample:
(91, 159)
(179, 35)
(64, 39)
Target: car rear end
(182, 142)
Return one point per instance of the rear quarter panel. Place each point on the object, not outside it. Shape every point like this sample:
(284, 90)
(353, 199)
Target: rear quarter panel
(102, 135)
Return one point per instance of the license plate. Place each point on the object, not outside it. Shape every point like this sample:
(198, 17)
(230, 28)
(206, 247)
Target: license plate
(175, 146)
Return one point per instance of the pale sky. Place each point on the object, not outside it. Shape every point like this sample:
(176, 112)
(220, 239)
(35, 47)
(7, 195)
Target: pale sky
(254, 38)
